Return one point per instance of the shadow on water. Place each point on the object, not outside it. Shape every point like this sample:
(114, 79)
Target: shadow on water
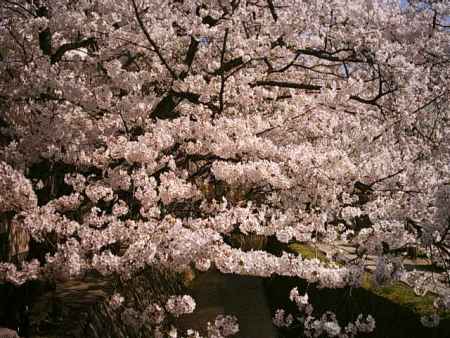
(16, 303)
(227, 294)
(392, 320)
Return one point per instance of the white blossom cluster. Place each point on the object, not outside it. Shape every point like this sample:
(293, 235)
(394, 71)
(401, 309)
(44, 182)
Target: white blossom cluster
(178, 305)
(16, 191)
(156, 316)
(327, 324)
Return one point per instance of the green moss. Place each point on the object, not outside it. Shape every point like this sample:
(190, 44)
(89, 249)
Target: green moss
(398, 293)
(307, 251)
(402, 294)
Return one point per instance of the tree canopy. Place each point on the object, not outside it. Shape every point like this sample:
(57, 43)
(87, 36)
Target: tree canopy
(146, 132)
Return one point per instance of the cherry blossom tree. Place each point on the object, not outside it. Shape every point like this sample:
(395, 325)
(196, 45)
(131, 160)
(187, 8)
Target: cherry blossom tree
(146, 132)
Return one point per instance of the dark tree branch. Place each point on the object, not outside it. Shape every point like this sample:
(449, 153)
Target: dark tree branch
(191, 97)
(165, 109)
(45, 41)
(380, 94)
(150, 40)
(192, 50)
(272, 10)
(15, 10)
(303, 86)
(284, 68)
(374, 100)
(57, 56)
(285, 84)
(227, 66)
(45, 36)
(21, 45)
(17, 4)
(330, 56)
(426, 137)
(429, 102)
(410, 192)
(222, 75)
(312, 69)
(386, 177)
